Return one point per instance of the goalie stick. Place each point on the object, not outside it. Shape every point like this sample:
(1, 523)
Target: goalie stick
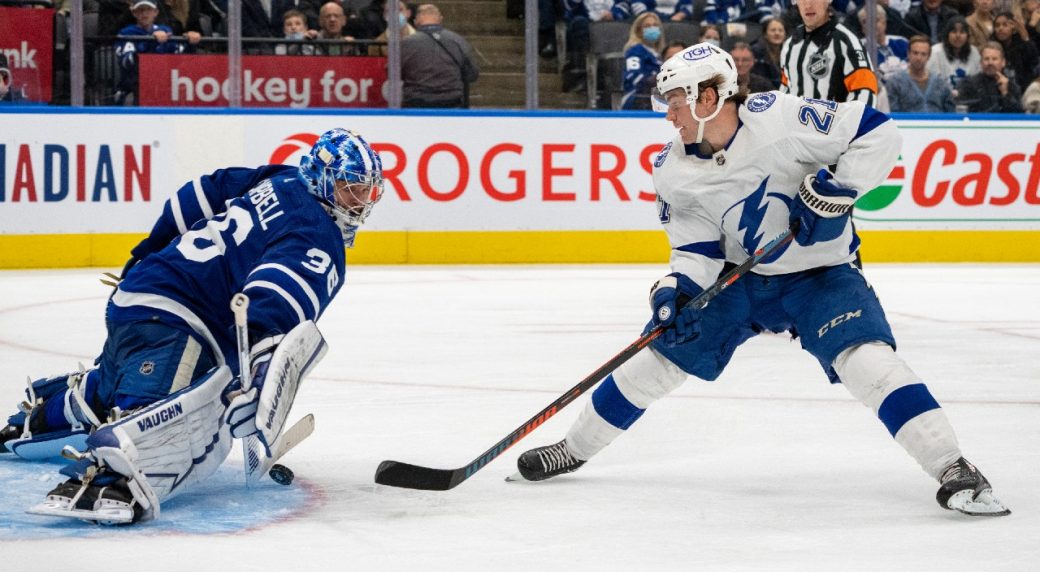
(406, 475)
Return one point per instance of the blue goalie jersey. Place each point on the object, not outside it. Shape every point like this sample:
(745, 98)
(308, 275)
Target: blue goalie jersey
(256, 231)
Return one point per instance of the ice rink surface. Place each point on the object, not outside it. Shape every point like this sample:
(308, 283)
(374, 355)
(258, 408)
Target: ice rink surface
(768, 468)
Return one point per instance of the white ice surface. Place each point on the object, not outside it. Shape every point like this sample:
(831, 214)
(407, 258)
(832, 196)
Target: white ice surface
(769, 468)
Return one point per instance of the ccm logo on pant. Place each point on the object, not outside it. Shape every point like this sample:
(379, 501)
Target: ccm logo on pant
(837, 321)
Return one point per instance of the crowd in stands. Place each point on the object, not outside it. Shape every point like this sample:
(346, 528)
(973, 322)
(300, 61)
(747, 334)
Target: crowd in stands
(932, 55)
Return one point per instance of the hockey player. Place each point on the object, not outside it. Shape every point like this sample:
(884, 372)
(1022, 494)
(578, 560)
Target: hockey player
(158, 410)
(738, 173)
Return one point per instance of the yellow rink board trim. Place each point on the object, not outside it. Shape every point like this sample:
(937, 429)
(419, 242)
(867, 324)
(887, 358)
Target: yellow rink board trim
(515, 247)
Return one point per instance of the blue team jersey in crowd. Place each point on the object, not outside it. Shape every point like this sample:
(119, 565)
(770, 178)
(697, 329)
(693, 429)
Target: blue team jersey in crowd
(252, 230)
(641, 67)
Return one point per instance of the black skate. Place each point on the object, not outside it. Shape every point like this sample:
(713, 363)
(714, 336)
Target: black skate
(964, 489)
(111, 504)
(546, 462)
(7, 434)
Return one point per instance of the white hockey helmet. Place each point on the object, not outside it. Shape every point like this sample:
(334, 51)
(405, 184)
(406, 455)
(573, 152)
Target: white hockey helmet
(689, 68)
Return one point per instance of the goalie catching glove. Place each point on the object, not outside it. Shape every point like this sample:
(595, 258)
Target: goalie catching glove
(279, 366)
(668, 298)
(823, 209)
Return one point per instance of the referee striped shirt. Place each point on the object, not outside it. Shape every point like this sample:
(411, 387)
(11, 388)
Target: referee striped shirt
(827, 63)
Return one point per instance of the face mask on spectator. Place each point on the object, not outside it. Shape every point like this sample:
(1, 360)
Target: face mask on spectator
(651, 33)
(712, 41)
(402, 19)
(294, 36)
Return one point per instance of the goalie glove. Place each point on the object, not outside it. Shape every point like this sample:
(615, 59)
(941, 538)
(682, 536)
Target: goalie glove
(822, 207)
(668, 298)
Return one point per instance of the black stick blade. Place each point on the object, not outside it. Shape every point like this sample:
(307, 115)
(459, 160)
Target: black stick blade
(407, 476)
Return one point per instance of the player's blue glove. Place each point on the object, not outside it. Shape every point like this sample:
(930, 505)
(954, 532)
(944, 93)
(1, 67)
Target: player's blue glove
(667, 299)
(822, 208)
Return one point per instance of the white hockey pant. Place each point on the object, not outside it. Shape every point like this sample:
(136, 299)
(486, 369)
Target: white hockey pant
(882, 381)
(639, 382)
(170, 445)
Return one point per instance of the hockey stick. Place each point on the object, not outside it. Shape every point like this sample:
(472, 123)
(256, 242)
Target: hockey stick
(251, 448)
(405, 475)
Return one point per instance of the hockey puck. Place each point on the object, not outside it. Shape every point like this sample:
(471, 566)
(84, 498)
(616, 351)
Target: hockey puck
(281, 474)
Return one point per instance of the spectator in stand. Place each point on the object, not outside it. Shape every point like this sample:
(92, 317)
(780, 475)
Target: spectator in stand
(767, 50)
(980, 23)
(930, 18)
(733, 11)
(642, 60)
(333, 19)
(309, 9)
(404, 14)
(436, 64)
(549, 11)
(991, 90)
(8, 92)
(579, 15)
(258, 22)
(1031, 20)
(1022, 57)
(710, 33)
(294, 25)
(674, 10)
(369, 22)
(145, 13)
(744, 59)
(891, 50)
(673, 47)
(914, 90)
(1031, 98)
(955, 58)
(182, 16)
(895, 23)
(113, 15)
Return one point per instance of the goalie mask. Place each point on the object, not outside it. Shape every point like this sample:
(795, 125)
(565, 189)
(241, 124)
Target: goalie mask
(343, 171)
(687, 70)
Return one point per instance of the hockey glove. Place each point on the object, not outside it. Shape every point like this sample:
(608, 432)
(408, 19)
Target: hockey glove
(822, 207)
(668, 298)
(241, 415)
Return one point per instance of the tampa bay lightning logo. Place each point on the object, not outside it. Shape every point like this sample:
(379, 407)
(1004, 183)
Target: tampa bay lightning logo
(752, 214)
(761, 102)
(659, 160)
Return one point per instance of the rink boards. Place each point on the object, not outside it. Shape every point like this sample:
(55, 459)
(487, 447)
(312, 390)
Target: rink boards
(80, 189)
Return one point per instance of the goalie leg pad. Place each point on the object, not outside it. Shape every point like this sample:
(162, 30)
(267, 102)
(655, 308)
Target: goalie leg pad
(881, 380)
(163, 449)
(57, 414)
(302, 348)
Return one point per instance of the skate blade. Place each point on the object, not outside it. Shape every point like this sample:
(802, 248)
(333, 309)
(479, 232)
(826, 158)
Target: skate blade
(109, 515)
(985, 504)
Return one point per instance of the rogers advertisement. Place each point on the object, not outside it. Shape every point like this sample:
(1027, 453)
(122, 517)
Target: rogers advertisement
(61, 173)
(267, 81)
(27, 39)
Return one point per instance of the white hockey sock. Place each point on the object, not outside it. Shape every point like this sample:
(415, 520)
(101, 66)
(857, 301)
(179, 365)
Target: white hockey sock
(642, 380)
(872, 373)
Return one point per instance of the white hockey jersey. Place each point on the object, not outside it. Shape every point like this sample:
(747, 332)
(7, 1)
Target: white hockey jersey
(724, 207)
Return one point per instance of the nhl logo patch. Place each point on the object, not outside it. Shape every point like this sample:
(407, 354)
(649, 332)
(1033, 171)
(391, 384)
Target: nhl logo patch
(819, 65)
(147, 367)
(659, 160)
(761, 102)
(720, 159)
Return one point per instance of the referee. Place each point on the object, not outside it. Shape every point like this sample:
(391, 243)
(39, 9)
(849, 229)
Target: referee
(824, 60)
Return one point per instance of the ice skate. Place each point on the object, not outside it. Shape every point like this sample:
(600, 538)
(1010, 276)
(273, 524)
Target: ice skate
(543, 463)
(964, 489)
(109, 504)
